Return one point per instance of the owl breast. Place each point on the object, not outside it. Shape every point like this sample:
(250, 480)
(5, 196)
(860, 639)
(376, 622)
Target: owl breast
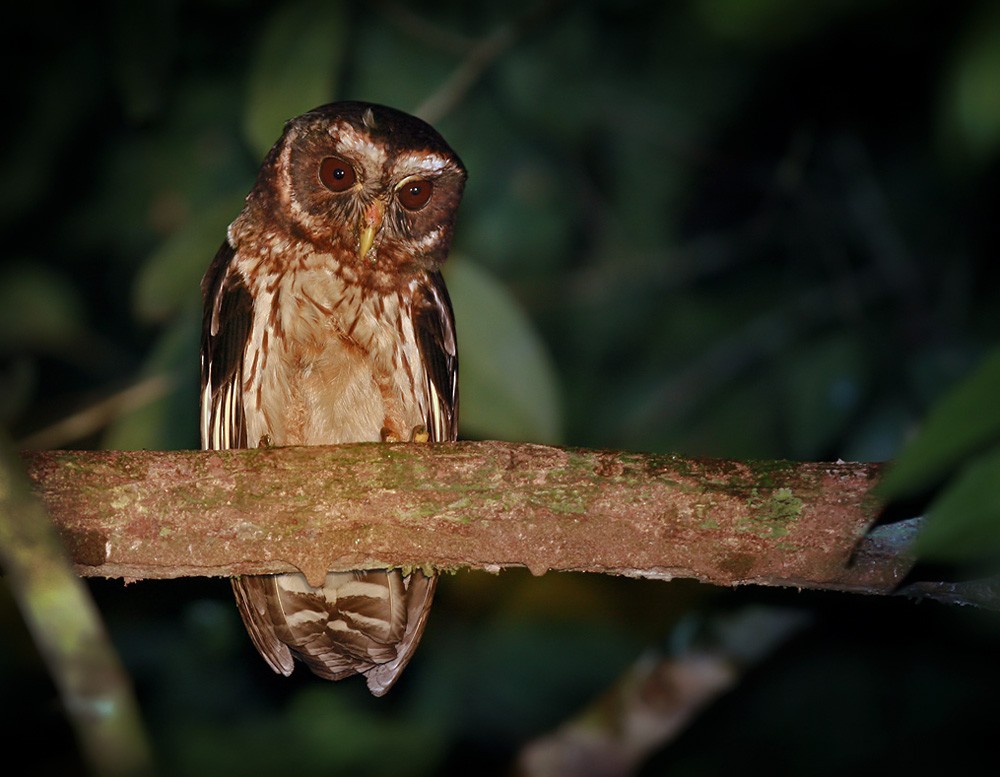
(330, 362)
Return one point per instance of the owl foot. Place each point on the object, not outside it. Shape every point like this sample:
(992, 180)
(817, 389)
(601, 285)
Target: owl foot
(265, 442)
(418, 433)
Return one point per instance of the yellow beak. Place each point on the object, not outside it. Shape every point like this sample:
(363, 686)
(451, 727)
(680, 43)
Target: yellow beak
(369, 226)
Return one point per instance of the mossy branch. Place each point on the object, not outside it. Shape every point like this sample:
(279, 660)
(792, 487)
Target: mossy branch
(485, 505)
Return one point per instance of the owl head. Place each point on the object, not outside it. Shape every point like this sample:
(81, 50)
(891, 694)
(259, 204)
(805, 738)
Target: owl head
(373, 187)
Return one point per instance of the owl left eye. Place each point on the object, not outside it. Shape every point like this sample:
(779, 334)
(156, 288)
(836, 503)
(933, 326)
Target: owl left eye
(336, 174)
(413, 195)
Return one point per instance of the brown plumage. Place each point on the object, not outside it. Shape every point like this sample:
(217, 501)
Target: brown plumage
(327, 321)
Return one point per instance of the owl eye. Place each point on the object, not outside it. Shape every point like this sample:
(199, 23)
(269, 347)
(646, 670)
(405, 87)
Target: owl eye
(413, 195)
(336, 174)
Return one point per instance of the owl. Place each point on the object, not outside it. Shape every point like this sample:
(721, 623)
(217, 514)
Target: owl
(326, 320)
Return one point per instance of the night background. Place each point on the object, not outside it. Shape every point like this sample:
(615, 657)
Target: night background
(731, 228)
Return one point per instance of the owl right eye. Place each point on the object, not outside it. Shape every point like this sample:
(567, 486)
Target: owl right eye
(336, 174)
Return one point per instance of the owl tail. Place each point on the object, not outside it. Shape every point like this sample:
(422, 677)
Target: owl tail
(355, 623)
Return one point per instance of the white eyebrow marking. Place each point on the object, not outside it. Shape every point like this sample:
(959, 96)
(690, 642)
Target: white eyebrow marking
(349, 139)
(426, 162)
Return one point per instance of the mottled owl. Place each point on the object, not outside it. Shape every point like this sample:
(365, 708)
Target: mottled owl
(326, 320)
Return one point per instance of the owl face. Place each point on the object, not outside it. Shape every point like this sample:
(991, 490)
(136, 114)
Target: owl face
(374, 188)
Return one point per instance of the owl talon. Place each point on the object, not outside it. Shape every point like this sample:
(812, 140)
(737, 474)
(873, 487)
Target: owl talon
(388, 435)
(420, 434)
(265, 441)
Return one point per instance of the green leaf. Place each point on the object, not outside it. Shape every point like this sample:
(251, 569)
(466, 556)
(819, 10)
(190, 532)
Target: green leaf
(170, 421)
(171, 278)
(507, 384)
(296, 67)
(392, 66)
(528, 222)
(39, 309)
(766, 22)
(964, 522)
(965, 421)
(149, 183)
(972, 95)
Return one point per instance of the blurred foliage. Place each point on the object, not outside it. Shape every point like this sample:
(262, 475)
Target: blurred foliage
(959, 446)
(296, 63)
(509, 386)
(744, 228)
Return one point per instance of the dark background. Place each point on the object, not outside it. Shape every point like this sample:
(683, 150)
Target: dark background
(737, 228)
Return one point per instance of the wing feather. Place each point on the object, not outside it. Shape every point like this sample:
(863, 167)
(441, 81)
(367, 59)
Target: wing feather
(228, 316)
(226, 323)
(434, 323)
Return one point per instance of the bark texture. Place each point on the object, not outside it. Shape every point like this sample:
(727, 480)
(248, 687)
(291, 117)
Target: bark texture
(484, 505)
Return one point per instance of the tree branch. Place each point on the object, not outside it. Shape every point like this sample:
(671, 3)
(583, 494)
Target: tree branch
(479, 58)
(484, 505)
(659, 695)
(68, 630)
(487, 505)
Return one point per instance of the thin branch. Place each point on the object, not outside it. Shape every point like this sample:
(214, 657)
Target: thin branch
(67, 628)
(425, 32)
(479, 59)
(657, 697)
(98, 415)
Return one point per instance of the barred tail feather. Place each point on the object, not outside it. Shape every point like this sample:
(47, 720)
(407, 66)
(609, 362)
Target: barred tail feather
(253, 593)
(366, 622)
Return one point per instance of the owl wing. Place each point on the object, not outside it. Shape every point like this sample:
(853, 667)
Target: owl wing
(434, 324)
(228, 316)
(226, 325)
